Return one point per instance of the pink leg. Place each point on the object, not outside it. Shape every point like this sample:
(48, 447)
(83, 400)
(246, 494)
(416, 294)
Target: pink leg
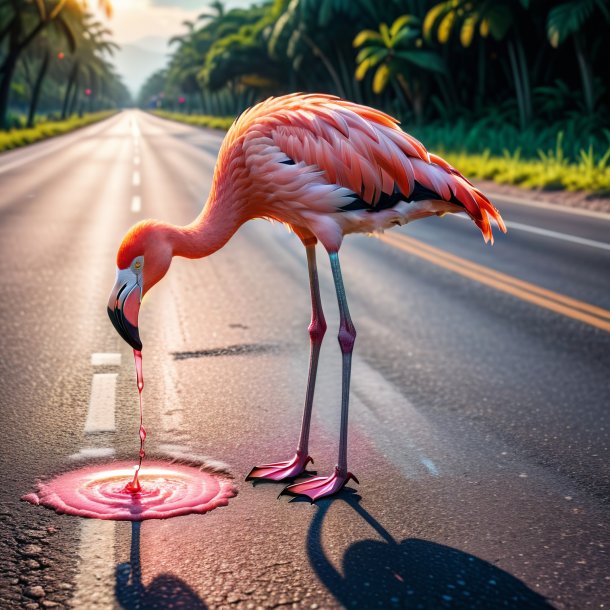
(319, 487)
(291, 468)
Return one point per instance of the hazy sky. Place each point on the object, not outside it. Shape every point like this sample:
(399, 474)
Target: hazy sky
(136, 19)
(143, 27)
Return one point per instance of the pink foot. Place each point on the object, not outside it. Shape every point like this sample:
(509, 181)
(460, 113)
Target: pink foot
(320, 487)
(281, 470)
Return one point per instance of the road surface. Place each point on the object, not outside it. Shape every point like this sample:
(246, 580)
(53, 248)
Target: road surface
(479, 423)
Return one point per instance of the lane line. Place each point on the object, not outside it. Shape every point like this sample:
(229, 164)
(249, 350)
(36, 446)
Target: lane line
(92, 452)
(510, 199)
(547, 299)
(547, 233)
(94, 582)
(105, 359)
(136, 204)
(508, 279)
(61, 143)
(556, 235)
(100, 416)
(136, 178)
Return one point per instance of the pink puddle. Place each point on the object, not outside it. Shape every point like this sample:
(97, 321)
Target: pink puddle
(167, 490)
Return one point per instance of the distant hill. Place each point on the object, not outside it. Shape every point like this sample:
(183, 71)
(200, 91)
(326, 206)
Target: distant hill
(136, 61)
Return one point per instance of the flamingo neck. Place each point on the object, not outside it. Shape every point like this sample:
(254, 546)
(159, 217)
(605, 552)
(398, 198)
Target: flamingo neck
(209, 232)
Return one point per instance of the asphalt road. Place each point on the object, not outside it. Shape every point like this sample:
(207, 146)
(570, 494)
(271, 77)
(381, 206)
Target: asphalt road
(479, 424)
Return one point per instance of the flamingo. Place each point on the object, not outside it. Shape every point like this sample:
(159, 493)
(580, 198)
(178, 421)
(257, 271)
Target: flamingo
(325, 167)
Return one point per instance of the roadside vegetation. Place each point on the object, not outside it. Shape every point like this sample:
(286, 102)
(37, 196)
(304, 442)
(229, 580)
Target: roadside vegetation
(514, 90)
(199, 120)
(15, 138)
(54, 64)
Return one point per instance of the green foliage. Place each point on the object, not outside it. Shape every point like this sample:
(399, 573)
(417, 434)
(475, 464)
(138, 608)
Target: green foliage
(568, 18)
(47, 129)
(199, 120)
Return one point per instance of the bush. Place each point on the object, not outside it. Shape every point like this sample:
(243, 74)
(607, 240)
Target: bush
(15, 138)
(199, 120)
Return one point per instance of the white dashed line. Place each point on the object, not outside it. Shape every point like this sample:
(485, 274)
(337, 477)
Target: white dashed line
(100, 417)
(94, 584)
(103, 359)
(93, 452)
(136, 204)
(136, 178)
(548, 233)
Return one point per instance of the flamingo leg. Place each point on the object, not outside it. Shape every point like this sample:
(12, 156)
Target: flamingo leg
(287, 469)
(319, 487)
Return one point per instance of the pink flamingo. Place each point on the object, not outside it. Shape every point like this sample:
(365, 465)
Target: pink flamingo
(324, 167)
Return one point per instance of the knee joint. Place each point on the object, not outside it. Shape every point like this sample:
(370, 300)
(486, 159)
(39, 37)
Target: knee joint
(347, 337)
(317, 328)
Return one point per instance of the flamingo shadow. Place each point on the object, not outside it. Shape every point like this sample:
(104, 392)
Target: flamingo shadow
(414, 574)
(165, 591)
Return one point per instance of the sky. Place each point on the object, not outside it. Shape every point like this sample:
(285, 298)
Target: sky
(143, 27)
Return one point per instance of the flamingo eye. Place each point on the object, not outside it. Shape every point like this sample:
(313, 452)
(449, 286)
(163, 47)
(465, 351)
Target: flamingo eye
(138, 264)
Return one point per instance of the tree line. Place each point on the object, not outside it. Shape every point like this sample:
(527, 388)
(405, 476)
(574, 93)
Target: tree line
(55, 57)
(525, 63)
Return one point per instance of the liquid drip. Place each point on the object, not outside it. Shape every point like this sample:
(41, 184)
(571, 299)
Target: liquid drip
(167, 490)
(134, 485)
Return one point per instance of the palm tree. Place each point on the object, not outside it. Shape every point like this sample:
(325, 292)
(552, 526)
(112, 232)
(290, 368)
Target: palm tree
(496, 17)
(91, 44)
(568, 20)
(397, 52)
(25, 21)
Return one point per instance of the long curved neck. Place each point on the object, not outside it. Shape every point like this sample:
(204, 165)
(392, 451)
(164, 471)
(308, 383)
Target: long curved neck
(209, 232)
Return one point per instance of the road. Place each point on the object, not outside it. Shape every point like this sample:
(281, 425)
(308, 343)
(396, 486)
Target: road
(479, 423)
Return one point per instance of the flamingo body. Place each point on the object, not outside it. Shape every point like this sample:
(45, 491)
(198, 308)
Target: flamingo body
(326, 168)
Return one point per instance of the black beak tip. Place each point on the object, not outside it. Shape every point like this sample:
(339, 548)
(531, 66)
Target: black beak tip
(126, 330)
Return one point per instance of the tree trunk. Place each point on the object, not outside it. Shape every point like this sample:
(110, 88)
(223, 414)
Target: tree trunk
(585, 74)
(72, 108)
(327, 64)
(38, 87)
(8, 69)
(67, 94)
(517, 81)
(525, 80)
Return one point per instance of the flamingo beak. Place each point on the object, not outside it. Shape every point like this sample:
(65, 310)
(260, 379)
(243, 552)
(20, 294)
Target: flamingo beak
(124, 306)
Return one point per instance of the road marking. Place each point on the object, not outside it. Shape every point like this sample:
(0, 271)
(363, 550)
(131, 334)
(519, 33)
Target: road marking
(556, 235)
(94, 583)
(510, 199)
(548, 233)
(136, 204)
(136, 178)
(46, 149)
(135, 129)
(100, 416)
(553, 301)
(104, 359)
(92, 452)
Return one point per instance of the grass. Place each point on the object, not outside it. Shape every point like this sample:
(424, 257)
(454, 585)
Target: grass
(537, 158)
(199, 120)
(48, 129)
(551, 171)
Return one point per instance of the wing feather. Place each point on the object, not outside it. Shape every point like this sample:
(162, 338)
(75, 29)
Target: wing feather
(362, 149)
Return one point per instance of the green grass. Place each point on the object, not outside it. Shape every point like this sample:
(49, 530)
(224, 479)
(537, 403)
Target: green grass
(22, 137)
(536, 159)
(551, 171)
(199, 120)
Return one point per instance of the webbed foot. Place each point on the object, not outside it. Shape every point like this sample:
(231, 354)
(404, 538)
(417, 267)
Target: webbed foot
(279, 471)
(320, 487)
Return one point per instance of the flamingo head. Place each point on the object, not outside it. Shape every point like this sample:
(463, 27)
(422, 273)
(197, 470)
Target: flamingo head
(142, 260)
